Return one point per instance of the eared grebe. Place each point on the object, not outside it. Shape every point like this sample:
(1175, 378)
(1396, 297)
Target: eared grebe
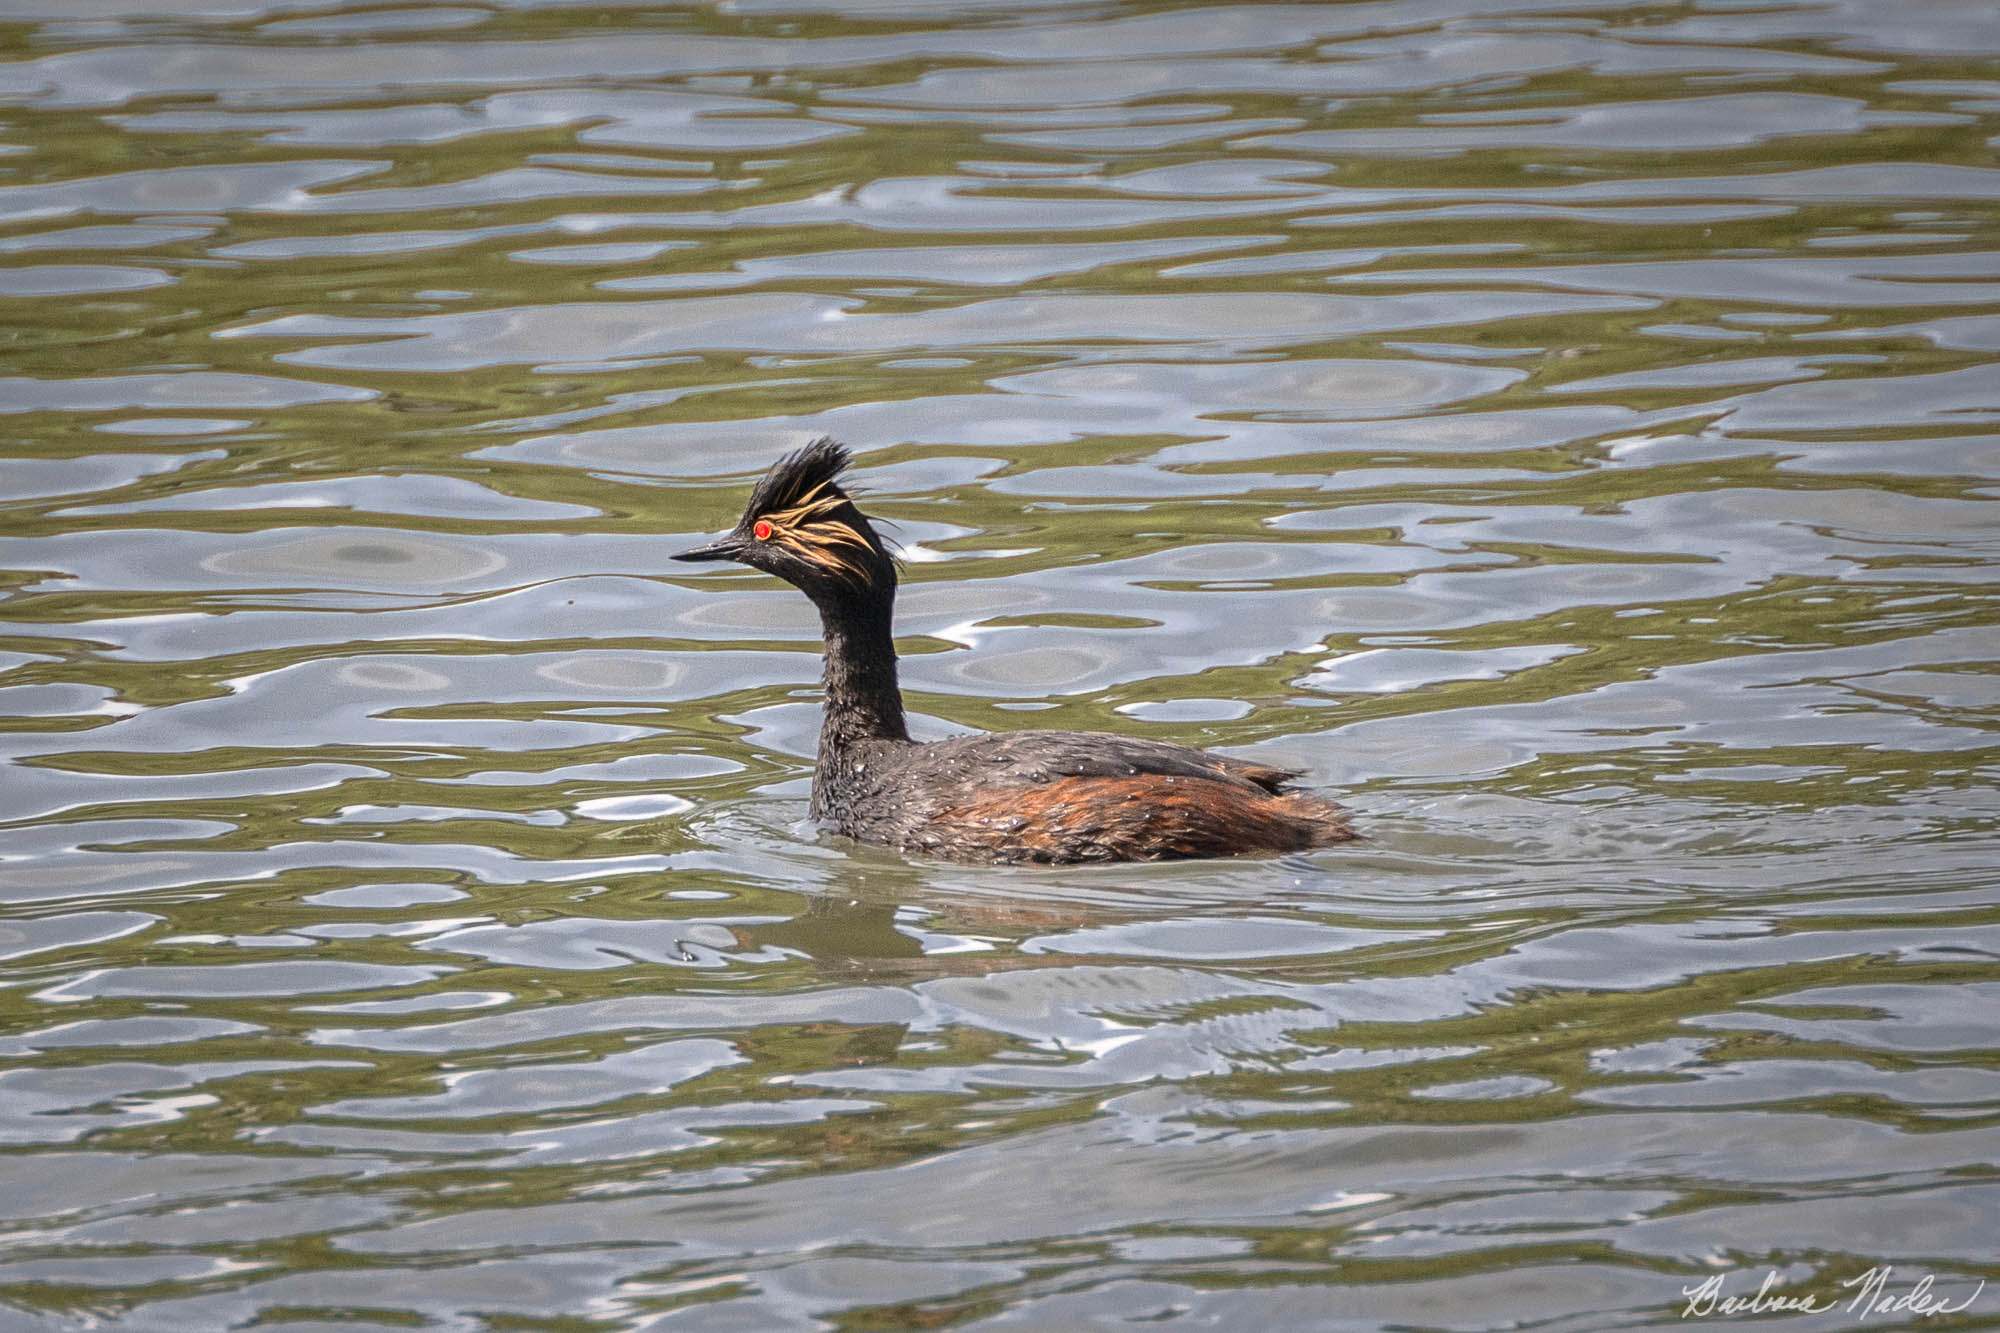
(1054, 797)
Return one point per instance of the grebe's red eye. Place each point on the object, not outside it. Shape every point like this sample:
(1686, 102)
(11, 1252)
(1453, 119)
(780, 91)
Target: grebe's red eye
(763, 530)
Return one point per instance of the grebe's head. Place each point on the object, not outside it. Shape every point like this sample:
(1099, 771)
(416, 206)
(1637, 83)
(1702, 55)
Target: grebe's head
(801, 526)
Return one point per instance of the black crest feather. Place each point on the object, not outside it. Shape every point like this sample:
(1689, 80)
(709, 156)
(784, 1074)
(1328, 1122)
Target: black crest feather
(801, 474)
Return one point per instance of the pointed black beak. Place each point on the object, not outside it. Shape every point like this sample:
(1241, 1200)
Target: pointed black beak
(729, 548)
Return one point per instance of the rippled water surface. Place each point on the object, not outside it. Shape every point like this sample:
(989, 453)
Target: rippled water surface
(1569, 431)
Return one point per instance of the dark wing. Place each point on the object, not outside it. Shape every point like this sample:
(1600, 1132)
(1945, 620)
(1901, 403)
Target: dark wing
(1030, 758)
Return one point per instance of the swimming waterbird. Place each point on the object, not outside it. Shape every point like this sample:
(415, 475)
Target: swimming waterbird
(1052, 797)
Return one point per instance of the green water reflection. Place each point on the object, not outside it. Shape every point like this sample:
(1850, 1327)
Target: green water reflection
(1567, 431)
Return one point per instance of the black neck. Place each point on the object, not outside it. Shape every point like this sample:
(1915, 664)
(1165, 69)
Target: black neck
(862, 701)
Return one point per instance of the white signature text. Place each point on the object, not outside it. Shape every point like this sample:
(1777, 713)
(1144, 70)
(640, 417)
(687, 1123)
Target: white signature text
(1870, 1296)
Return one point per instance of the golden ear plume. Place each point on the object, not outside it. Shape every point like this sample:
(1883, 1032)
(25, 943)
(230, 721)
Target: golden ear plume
(807, 530)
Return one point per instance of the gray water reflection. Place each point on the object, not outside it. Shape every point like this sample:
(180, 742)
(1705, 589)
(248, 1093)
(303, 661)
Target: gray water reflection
(1566, 429)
